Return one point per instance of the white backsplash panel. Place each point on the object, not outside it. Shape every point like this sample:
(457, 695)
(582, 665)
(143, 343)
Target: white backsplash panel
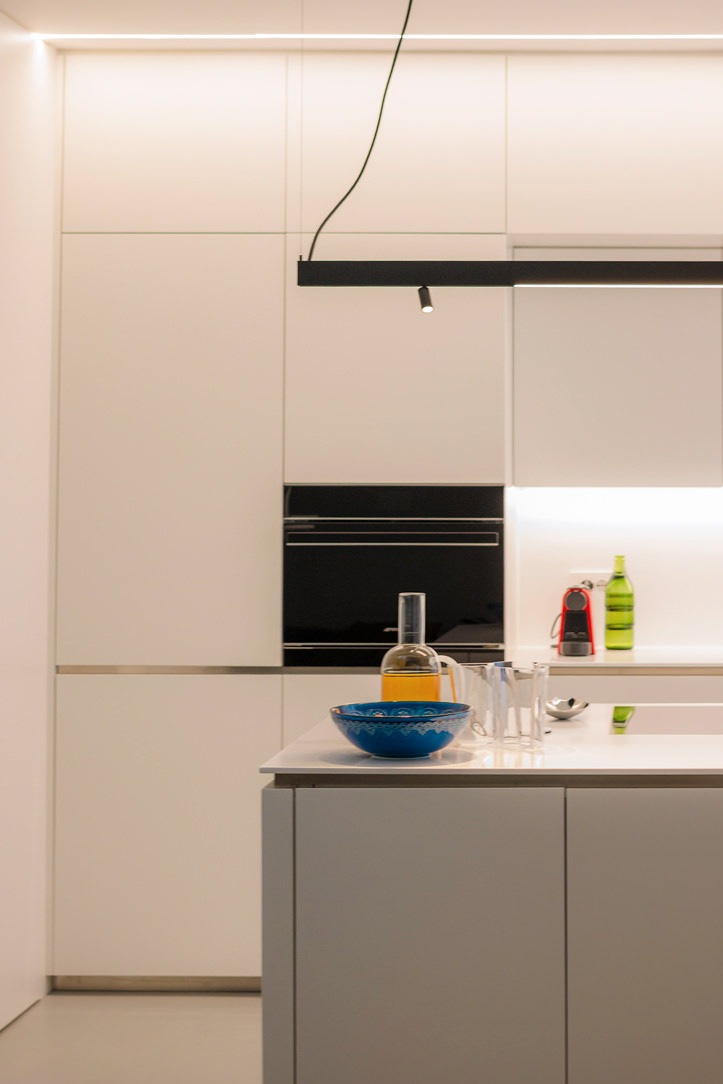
(672, 540)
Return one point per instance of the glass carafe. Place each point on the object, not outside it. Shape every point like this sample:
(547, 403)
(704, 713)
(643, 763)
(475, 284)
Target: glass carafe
(411, 670)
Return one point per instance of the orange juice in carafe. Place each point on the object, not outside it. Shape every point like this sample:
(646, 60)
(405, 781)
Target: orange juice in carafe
(411, 670)
(410, 685)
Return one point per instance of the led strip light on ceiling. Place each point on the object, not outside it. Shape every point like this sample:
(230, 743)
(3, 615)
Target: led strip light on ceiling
(49, 36)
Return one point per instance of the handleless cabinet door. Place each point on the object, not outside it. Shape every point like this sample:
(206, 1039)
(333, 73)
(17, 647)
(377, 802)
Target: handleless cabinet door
(377, 391)
(438, 164)
(169, 536)
(430, 935)
(615, 144)
(157, 860)
(618, 387)
(174, 142)
(645, 954)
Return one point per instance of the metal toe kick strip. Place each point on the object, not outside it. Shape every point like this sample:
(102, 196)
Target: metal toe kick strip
(172, 984)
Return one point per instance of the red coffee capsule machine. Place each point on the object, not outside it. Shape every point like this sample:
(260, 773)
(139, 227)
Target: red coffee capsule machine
(576, 623)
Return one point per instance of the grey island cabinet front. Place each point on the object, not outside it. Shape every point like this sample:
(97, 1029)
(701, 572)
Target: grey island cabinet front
(429, 932)
(645, 935)
(497, 916)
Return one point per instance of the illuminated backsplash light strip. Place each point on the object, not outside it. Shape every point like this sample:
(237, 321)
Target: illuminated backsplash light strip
(698, 506)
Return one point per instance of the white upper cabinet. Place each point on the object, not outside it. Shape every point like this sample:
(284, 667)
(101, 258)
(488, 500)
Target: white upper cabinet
(615, 144)
(438, 163)
(169, 536)
(616, 387)
(377, 391)
(174, 142)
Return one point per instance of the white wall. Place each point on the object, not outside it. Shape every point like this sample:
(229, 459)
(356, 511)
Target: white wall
(27, 206)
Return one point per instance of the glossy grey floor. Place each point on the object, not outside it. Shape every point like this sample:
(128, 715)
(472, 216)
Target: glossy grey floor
(135, 1039)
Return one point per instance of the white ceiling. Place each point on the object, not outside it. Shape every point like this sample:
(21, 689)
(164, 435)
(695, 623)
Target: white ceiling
(369, 16)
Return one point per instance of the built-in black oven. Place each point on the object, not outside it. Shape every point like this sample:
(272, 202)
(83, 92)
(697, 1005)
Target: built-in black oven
(350, 550)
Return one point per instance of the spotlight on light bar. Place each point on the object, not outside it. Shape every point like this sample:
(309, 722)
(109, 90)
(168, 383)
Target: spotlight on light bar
(510, 273)
(425, 299)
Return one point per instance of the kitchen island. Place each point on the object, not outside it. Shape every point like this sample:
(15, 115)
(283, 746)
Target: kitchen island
(499, 915)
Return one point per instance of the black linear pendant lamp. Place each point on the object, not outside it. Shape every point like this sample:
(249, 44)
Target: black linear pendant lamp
(312, 272)
(510, 273)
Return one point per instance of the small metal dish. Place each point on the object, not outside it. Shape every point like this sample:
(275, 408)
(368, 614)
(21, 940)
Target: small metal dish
(565, 709)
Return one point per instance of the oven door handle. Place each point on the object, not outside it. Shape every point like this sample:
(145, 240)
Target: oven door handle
(375, 532)
(367, 545)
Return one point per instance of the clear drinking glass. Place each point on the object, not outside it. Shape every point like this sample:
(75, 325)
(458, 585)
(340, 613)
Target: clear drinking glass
(477, 689)
(516, 704)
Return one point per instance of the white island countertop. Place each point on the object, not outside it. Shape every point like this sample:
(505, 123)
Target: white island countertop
(662, 741)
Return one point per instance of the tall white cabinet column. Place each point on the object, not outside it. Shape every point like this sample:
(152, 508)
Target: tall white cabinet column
(375, 391)
(170, 508)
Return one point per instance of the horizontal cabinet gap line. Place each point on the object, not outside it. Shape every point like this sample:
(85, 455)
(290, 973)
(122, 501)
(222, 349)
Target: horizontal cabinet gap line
(168, 669)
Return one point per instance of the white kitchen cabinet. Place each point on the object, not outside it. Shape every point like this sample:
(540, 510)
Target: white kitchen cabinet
(645, 952)
(157, 823)
(429, 935)
(438, 164)
(185, 142)
(615, 144)
(377, 391)
(617, 387)
(308, 697)
(170, 435)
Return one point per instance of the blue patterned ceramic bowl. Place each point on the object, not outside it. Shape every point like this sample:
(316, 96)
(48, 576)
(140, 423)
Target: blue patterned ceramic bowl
(401, 728)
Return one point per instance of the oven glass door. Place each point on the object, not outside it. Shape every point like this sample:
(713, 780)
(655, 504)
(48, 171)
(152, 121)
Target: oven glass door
(342, 580)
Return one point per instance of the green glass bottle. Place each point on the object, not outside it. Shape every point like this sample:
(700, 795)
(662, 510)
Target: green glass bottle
(619, 605)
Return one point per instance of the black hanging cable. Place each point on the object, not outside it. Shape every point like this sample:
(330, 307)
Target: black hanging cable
(374, 137)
